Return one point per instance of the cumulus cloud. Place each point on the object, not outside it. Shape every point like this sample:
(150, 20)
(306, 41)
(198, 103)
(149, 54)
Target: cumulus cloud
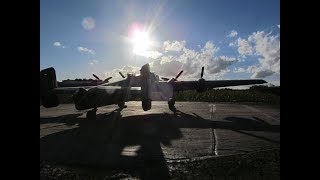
(188, 60)
(262, 73)
(279, 26)
(267, 47)
(86, 50)
(150, 54)
(219, 64)
(124, 70)
(58, 44)
(233, 33)
(233, 44)
(174, 45)
(264, 46)
(166, 68)
(239, 70)
(244, 47)
(94, 62)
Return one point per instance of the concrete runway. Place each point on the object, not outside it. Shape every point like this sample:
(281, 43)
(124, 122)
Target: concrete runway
(131, 137)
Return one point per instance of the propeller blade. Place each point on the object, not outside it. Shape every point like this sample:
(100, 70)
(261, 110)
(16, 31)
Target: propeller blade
(122, 75)
(179, 74)
(165, 79)
(202, 71)
(96, 76)
(106, 80)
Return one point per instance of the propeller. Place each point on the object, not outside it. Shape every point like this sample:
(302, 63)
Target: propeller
(122, 75)
(179, 74)
(165, 79)
(172, 79)
(107, 79)
(201, 82)
(96, 76)
(202, 71)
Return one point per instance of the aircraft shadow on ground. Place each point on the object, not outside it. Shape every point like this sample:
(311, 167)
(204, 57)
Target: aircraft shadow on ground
(102, 142)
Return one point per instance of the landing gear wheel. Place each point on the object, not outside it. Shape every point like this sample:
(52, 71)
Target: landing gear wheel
(122, 105)
(92, 114)
(171, 103)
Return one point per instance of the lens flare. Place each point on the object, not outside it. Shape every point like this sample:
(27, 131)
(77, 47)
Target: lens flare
(88, 23)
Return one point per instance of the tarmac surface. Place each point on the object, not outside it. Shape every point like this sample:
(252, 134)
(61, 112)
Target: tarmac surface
(133, 138)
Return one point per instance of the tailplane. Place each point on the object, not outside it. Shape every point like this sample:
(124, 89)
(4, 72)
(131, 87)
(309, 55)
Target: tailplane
(48, 82)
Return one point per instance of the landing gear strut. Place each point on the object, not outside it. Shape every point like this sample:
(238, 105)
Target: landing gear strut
(171, 103)
(92, 114)
(146, 104)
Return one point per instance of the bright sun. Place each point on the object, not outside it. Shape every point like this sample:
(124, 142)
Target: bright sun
(141, 42)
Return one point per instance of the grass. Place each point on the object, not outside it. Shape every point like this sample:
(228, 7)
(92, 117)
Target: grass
(227, 95)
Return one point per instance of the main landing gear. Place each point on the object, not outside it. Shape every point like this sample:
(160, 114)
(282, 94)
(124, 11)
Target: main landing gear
(92, 114)
(122, 105)
(171, 103)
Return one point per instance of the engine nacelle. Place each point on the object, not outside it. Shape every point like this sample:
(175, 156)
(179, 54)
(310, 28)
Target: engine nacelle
(201, 85)
(145, 87)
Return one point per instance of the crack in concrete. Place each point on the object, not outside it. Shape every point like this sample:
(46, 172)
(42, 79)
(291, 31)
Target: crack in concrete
(214, 142)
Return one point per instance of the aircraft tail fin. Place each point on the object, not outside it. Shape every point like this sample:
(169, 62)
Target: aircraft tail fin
(48, 82)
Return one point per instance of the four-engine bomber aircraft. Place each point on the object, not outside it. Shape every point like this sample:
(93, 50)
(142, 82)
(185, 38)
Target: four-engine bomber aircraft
(147, 86)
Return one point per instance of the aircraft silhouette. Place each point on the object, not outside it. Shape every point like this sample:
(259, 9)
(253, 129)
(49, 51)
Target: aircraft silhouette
(147, 86)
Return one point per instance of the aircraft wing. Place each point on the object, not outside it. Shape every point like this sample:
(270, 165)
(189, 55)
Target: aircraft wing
(194, 85)
(70, 90)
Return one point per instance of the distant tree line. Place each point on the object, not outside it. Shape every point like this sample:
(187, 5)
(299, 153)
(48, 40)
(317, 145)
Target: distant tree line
(78, 79)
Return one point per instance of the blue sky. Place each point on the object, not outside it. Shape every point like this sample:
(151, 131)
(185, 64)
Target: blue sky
(233, 39)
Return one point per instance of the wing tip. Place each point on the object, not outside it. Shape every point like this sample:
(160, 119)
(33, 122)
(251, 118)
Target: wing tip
(263, 81)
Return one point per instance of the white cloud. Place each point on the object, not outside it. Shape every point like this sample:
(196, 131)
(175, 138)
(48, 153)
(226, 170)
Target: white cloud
(126, 69)
(57, 44)
(239, 70)
(233, 33)
(278, 26)
(94, 62)
(267, 47)
(174, 45)
(262, 73)
(151, 54)
(191, 61)
(244, 48)
(86, 50)
(188, 60)
(232, 44)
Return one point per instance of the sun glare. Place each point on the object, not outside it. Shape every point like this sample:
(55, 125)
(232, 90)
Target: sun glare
(141, 42)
